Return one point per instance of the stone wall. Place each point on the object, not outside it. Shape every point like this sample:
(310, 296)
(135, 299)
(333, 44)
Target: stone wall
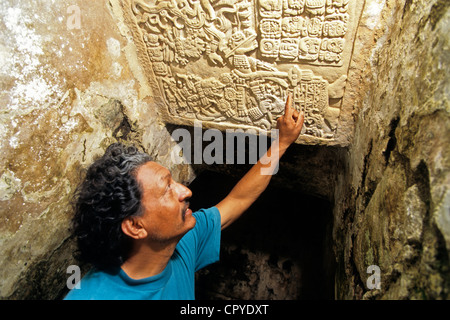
(392, 203)
(67, 93)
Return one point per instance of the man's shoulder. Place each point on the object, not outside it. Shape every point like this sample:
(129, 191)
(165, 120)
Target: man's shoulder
(211, 213)
(207, 221)
(200, 246)
(93, 283)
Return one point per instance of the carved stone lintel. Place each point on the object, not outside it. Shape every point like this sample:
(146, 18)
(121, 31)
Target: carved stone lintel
(232, 63)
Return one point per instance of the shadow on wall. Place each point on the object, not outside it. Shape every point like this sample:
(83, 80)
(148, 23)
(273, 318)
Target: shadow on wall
(279, 249)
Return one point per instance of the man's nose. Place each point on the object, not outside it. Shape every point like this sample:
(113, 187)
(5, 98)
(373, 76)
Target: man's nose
(184, 192)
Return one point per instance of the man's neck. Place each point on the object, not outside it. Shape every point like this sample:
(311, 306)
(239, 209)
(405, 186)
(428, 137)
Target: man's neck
(147, 260)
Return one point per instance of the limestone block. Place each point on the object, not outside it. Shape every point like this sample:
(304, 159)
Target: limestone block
(231, 64)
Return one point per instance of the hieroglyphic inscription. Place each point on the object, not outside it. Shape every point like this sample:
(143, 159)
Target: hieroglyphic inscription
(310, 31)
(225, 61)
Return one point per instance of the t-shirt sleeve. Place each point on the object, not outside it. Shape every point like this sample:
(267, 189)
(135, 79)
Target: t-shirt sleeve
(201, 246)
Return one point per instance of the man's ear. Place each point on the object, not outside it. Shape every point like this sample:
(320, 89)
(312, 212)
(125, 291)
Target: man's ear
(133, 228)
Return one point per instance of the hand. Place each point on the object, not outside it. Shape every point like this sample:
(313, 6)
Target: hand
(290, 124)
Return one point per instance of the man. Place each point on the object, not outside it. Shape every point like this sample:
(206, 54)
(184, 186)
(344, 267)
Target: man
(134, 225)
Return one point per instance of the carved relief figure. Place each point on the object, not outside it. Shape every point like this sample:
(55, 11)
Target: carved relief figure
(215, 59)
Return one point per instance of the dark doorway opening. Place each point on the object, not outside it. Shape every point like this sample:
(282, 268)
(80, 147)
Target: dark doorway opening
(281, 248)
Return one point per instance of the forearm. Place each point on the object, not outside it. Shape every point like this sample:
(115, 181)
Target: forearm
(255, 181)
(251, 185)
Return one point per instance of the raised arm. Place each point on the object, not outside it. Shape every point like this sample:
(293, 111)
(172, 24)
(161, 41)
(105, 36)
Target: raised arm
(255, 181)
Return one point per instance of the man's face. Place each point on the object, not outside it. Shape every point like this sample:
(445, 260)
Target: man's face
(166, 211)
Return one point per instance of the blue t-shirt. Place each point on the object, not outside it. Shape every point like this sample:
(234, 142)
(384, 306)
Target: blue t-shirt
(197, 249)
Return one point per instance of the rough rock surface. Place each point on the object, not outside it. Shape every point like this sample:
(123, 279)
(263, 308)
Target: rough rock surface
(392, 202)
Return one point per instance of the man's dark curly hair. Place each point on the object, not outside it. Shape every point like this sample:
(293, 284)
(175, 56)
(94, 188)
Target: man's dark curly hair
(108, 194)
